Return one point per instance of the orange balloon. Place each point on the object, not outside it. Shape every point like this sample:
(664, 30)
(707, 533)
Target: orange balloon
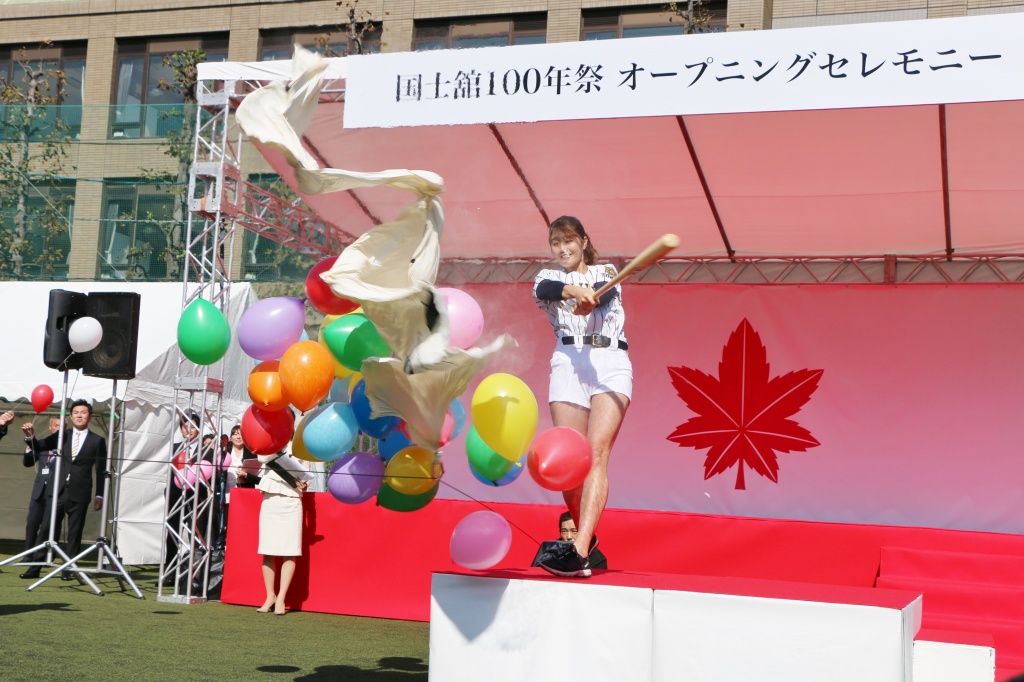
(265, 387)
(306, 372)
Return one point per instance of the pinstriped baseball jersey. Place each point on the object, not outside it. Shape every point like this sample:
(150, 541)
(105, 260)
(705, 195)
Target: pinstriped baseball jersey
(608, 319)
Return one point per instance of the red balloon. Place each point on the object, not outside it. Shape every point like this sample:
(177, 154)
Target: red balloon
(560, 458)
(266, 432)
(42, 397)
(321, 296)
(179, 460)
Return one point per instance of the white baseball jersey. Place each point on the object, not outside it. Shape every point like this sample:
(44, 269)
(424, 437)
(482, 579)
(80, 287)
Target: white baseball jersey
(608, 319)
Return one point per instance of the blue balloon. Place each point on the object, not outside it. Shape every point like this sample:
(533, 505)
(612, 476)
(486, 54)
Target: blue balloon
(374, 428)
(513, 474)
(329, 431)
(459, 415)
(392, 443)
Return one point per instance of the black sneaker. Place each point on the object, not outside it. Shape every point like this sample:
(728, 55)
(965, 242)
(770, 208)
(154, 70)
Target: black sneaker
(567, 563)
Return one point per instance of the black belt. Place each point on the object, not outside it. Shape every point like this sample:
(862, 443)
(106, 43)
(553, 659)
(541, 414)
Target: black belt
(595, 340)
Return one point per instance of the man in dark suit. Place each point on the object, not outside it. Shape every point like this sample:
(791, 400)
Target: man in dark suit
(81, 452)
(43, 462)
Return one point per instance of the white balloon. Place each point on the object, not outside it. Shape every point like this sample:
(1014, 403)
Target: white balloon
(85, 334)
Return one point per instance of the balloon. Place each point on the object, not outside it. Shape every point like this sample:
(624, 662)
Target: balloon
(203, 332)
(267, 432)
(321, 296)
(483, 460)
(341, 372)
(465, 319)
(388, 498)
(306, 374)
(447, 429)
(340, 390)
(560, 458)
(269, 327)
(395, 441)
(265, 386)
(205, 471)
(505, 414)
(356, 477)
(42, 397)
(458, 412)
(374, 428)
(352, 339)
(412, 471)
(85, 334)
(513, 474)
(480, 540)
(298, 447)
(179, 460)
(329, 431)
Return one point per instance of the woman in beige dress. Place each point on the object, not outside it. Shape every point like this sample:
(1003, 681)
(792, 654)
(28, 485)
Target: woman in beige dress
(282, 484)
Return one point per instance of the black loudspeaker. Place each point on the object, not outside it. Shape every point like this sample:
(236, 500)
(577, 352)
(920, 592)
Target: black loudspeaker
(118, 315)
(65, 308)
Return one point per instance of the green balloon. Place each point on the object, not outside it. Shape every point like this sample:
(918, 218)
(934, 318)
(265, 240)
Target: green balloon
(203, 332)
(389, 498)
(352, 338)
(483, 460)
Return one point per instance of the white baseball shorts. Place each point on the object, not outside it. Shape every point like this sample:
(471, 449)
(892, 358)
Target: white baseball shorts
(577, 374)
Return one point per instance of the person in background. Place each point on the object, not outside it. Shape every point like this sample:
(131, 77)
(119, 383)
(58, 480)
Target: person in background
(236, 474)
(567, 534)
(83, 451)
(41, 488)
(5, 419)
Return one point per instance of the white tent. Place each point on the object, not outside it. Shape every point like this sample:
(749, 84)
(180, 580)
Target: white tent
(148, 399)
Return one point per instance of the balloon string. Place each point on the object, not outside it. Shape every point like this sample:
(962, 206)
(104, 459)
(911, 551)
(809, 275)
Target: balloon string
(488, 508)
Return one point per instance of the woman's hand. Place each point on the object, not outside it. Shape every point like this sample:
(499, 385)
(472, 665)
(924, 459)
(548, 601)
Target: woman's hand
(586, 301)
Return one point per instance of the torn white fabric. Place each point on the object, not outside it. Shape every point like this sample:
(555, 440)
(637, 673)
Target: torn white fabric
(389, 271)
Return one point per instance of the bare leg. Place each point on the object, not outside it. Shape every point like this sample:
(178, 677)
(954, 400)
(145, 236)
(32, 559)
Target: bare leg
(287, 571)
(268, 582)
(587, 502)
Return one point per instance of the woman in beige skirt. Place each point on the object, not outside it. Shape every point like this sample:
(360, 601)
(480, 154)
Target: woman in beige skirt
(280, 524)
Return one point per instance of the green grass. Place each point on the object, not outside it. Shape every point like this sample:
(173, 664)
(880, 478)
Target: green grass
(64, 631)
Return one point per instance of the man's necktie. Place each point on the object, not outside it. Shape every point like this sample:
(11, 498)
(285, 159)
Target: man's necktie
(76, 444)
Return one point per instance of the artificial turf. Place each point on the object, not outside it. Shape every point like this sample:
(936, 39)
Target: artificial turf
(64, 631)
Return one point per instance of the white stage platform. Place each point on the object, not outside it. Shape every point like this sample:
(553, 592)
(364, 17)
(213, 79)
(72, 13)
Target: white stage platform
(525, 624)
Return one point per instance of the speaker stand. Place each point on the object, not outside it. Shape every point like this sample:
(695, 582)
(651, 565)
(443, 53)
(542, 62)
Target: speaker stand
(100, 546)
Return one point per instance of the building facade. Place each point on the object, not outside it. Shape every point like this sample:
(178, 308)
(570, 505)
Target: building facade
(95, 133)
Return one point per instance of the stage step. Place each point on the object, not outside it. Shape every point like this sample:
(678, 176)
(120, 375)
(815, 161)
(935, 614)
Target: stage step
(948, 656)
(967, 592)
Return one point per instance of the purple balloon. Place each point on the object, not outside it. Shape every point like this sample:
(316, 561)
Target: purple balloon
(481, 540)
(269, 327)
(356, 477)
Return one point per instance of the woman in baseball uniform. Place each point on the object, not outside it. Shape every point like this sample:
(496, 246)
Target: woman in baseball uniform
(591, 375)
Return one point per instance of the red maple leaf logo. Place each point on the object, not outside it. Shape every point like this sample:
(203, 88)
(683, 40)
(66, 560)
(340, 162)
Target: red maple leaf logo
(742, 416)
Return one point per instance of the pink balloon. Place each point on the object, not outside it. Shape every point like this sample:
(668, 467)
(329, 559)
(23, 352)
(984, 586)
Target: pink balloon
(560, 458)
(447, 429)
(480, 540)
(205, 470)
(465, 319)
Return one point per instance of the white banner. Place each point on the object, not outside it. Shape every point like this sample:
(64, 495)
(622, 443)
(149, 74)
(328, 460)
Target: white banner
(971, 59)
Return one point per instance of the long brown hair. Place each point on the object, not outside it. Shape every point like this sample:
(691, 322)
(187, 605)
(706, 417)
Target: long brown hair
(571, 227)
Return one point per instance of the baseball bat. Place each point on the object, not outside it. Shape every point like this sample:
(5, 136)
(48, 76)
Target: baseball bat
(659, 248)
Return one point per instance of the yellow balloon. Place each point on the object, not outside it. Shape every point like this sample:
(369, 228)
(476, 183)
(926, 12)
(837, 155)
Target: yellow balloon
(505, 414)
(412, 470)
(298, 448)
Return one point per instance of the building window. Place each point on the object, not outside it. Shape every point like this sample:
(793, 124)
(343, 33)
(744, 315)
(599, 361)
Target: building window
(328, 41)
(139, 237)
(35, 244)
(445, 34)
(645, 22)
(59, 73)
(146, 103)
